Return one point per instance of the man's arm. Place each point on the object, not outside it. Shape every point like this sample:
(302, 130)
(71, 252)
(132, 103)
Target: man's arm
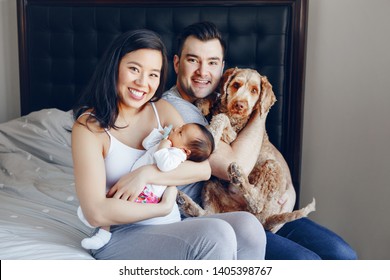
(244, 150)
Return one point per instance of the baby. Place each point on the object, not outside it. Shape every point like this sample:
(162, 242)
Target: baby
(167, 149)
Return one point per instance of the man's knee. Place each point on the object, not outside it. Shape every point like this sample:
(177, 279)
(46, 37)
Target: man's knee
(340, 251)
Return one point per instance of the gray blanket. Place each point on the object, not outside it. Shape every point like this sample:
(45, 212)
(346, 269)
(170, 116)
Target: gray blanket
(37, 195)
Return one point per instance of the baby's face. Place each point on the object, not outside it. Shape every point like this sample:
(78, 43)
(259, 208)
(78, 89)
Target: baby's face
(182, 135)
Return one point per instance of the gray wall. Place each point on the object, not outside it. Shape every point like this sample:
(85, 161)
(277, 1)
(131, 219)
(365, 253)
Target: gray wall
(346, 154)
(9, 63)
(346, 159)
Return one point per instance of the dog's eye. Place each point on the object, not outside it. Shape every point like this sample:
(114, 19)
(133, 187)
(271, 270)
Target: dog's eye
(254, 91)
(236, 85)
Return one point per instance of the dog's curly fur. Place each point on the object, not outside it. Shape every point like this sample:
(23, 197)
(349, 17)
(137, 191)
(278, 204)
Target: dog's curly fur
(243, 91)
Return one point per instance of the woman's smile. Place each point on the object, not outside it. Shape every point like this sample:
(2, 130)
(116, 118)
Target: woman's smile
(136, 94)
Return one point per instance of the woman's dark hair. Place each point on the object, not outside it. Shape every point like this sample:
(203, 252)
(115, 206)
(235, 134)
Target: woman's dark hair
(100, 95)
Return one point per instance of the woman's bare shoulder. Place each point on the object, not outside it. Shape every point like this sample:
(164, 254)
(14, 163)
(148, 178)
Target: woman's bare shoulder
(89, 122)
(168, 113)
(163, 104)
(165, 107)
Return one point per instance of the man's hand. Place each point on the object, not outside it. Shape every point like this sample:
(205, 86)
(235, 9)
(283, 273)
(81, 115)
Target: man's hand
(287, 200)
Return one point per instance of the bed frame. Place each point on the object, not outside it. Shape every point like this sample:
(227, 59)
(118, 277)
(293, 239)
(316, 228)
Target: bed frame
(61, 41)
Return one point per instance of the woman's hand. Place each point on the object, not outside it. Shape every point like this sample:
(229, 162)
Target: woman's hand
(130, 185)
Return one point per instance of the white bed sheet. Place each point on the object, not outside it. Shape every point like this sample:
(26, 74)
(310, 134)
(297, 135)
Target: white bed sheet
(37, 195)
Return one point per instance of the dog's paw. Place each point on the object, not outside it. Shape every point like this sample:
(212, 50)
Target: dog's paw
(235, 174)
(188, 207)
(180, 199)
(229, 135)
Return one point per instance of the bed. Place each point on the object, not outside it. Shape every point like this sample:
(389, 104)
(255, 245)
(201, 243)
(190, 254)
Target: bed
(60, 43)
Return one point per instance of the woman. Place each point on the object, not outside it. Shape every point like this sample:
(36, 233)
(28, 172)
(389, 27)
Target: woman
(112, 118)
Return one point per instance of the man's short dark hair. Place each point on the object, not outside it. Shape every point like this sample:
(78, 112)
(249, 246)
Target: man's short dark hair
(203, 31)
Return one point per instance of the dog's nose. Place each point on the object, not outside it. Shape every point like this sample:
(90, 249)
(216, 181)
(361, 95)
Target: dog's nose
(239, 105)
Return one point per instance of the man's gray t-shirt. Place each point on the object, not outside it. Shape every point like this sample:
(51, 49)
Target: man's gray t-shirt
(190, 114)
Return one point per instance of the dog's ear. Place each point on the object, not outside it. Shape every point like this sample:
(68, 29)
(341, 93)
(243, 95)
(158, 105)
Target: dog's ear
(226, 78)
(267, 96)
(205, 104)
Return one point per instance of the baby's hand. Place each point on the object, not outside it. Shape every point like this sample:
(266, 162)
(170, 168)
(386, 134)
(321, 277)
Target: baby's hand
(165, 143)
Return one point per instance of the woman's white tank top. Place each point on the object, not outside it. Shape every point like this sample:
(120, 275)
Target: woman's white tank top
(120, 157)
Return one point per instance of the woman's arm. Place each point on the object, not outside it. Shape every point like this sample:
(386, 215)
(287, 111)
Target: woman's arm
(90, 180)
(186, 173)
(244, 150)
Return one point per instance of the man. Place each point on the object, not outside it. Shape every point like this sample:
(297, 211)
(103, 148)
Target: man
(199, 65)
(199, 69)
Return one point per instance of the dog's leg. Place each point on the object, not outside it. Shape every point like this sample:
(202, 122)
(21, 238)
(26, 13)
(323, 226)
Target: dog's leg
(249, 192)
(221, 129)
(189, 207)
(217, 198)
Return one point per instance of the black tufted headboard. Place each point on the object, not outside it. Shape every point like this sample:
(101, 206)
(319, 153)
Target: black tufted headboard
(61, 41)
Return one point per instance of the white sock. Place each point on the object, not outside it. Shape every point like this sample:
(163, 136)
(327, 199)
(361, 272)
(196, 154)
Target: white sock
(97, 241)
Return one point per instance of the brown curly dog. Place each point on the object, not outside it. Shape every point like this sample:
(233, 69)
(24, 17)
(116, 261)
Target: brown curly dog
(243, 91)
